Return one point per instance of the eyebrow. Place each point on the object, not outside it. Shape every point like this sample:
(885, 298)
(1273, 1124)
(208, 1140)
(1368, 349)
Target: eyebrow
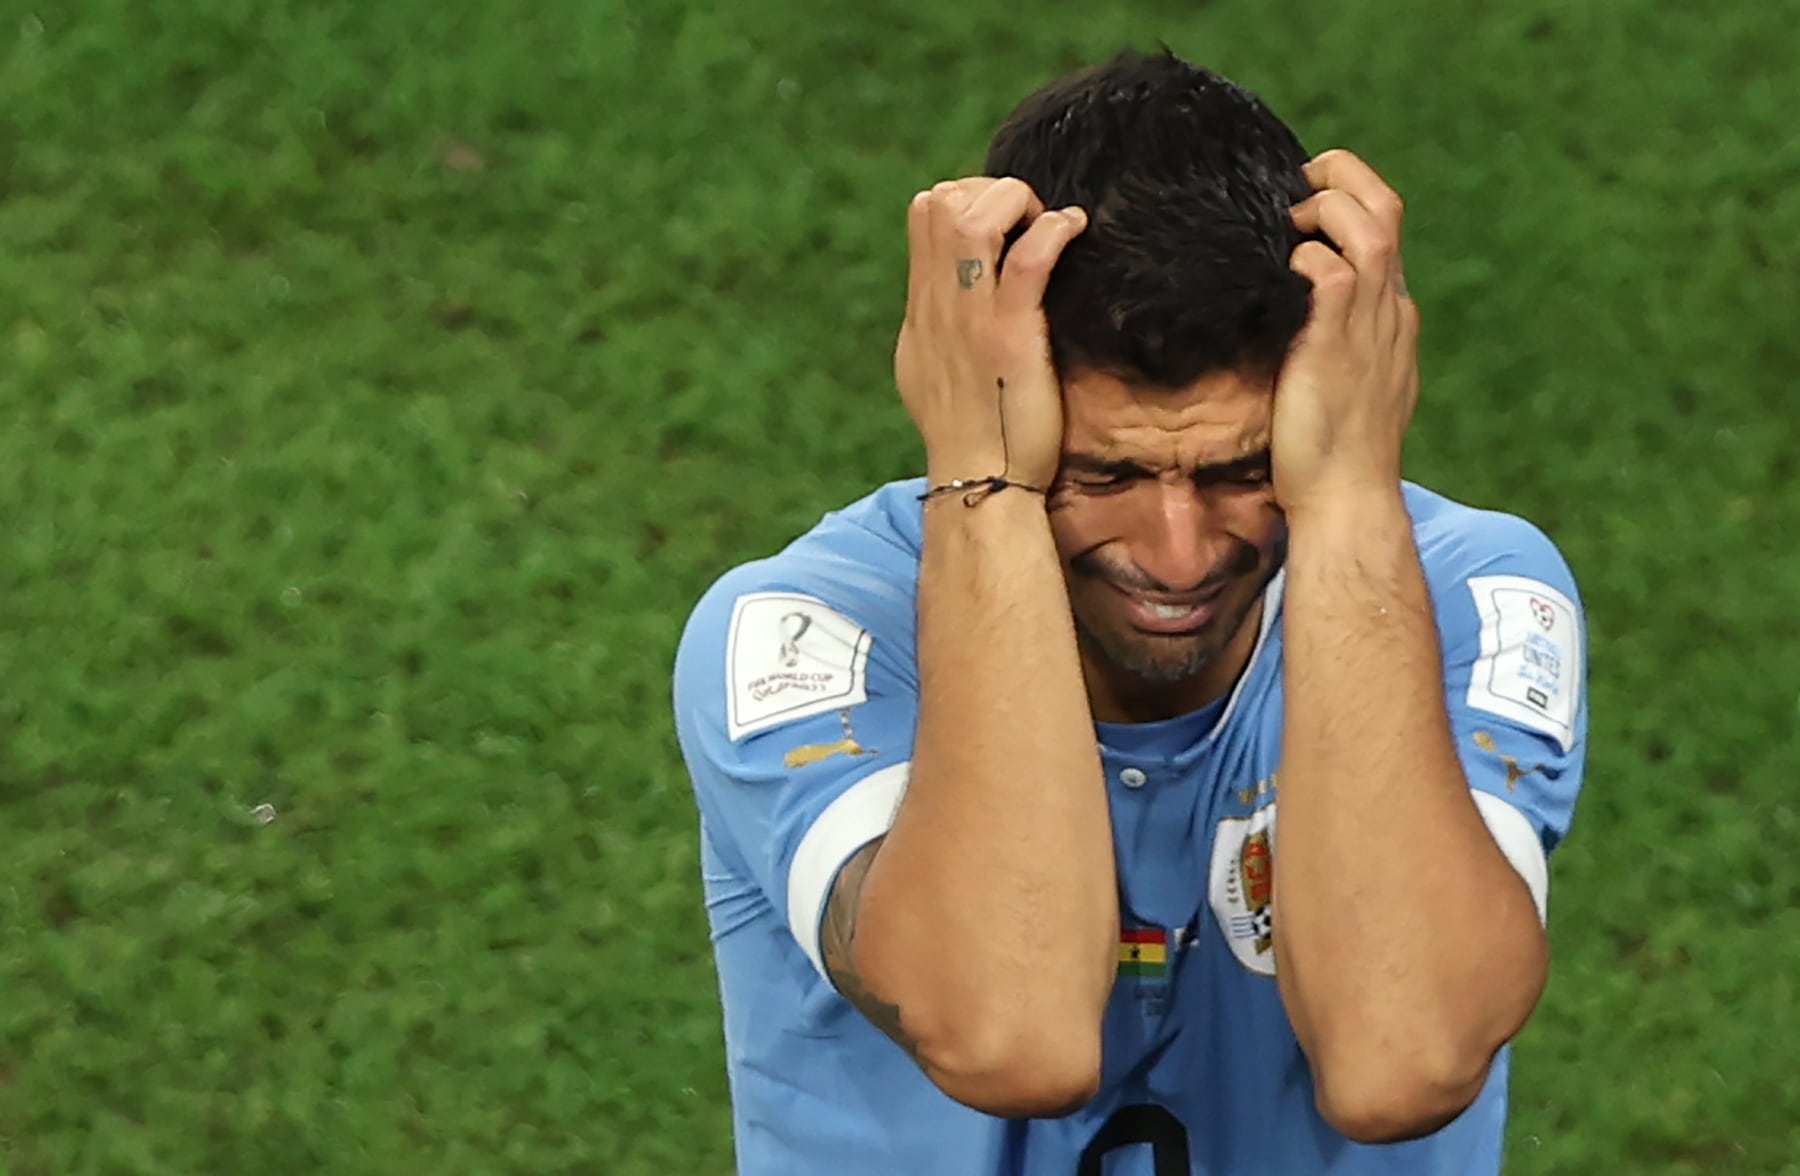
(1093, 463)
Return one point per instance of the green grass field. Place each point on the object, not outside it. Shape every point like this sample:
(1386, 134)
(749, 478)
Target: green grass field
(382, 382)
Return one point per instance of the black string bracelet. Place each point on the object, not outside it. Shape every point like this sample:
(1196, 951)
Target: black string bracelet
(977, 489)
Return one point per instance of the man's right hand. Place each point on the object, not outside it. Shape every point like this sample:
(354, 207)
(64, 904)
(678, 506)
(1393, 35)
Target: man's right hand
(990, 909)
(973, 358)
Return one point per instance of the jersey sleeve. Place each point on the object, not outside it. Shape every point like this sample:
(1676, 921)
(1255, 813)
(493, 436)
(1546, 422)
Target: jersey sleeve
(1515, 656)
(795, 711)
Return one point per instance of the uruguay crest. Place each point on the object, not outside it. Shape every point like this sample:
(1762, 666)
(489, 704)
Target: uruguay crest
(1241, 887)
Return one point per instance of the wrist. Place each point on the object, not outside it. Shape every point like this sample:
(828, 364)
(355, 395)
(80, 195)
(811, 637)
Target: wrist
(976, 467)
(983, 511)
(1349, 509)
(982, 456)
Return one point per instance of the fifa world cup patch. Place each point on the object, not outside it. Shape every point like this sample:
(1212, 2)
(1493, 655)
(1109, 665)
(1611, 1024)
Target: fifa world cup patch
(1530, 667)
(1241, 887)
(789, 657)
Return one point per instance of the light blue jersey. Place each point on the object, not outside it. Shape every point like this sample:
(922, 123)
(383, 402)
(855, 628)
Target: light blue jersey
(796, 693)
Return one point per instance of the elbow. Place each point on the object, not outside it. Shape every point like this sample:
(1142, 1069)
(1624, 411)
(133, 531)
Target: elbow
(1382, 1081)
(1394, 1099)
(1391, 1115)
(1028, 1073)
(1012, 1051)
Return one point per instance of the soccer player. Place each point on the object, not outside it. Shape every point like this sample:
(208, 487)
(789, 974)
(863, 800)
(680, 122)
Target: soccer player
(988, 763)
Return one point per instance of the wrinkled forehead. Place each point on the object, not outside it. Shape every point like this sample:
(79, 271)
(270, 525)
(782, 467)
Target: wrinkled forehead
(1218, 418)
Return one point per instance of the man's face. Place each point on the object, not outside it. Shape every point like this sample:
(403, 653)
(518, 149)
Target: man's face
(1168, 530)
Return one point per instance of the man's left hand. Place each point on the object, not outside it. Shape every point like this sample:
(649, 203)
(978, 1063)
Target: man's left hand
(1346, 393)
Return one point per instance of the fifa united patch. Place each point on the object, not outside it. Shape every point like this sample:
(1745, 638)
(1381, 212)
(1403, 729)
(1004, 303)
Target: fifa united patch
(1530, 668)
(1241, 887)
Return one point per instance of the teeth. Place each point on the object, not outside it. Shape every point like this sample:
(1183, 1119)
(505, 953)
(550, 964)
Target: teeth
(1170, 612)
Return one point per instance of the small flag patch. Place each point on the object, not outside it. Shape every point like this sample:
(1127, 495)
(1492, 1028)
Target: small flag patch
(1143, 951)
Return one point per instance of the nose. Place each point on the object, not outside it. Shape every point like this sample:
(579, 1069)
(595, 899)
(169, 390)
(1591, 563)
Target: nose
(1176, 540)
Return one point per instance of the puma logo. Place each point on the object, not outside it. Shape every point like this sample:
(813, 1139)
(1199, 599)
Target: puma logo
(1514, 773)
(812, 753)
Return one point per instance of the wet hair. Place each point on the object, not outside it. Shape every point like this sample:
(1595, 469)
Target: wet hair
(1187, 180)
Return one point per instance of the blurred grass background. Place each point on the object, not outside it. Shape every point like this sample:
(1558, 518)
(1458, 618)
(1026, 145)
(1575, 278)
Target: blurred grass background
(382, 382)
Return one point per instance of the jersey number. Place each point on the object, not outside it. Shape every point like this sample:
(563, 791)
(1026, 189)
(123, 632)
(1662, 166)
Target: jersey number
(1143, 1123)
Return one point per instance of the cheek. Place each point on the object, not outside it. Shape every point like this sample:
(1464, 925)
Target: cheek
(1076, 526)
(1256, 520)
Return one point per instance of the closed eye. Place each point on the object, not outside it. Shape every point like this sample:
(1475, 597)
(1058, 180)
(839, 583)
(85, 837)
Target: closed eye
(1246, 472)
(1102, 485)
(1252, 477)
(1096, 475)
(1092, 474)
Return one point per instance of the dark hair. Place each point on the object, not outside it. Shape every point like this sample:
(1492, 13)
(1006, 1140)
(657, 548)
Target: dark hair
(1187, 180)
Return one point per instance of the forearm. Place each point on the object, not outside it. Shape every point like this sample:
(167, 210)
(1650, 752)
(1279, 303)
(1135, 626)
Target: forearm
(1399, 920)
(991, 909)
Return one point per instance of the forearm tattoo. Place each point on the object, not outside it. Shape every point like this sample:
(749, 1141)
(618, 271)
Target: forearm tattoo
(837, 939)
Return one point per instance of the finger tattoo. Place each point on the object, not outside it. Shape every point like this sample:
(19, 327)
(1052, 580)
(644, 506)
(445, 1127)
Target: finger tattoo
(968, 272)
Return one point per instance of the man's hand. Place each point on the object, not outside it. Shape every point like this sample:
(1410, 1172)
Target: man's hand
(973, 359)
(1401, 994)
(990, 909)
(1347, 390)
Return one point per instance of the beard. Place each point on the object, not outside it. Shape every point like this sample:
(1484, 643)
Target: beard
(1160, 659)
